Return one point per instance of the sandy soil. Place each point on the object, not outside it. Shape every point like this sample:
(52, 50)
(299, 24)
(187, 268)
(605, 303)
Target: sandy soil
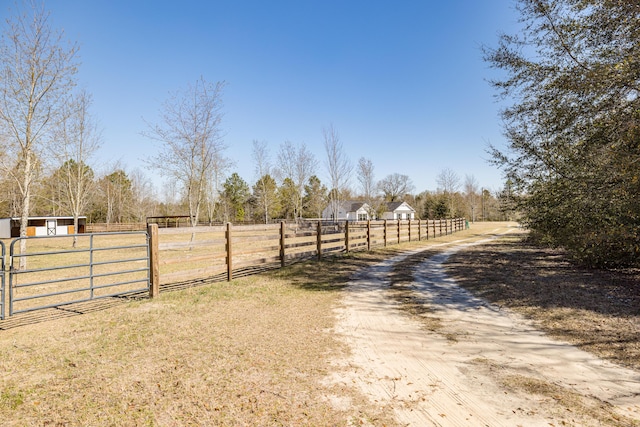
(483, 365)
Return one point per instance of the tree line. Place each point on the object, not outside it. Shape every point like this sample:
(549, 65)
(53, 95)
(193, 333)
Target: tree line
(49, 139)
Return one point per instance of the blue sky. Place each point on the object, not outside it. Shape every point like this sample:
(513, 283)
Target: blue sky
(403, 82)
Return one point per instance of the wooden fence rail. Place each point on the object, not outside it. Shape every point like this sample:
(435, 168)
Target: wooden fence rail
(181, 254)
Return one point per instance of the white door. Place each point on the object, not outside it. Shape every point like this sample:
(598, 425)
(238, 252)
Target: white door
(51, 227)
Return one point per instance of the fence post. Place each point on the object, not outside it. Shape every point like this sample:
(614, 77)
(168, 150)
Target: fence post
(154, 265)
(319, 240)
(229, 254)
(368, 235)
(346, 236)
(385, 232)
(282, 243)
(409, 230)
(399, 227)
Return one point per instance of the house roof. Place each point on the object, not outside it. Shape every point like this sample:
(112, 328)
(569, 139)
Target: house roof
(352, 205)
(46, 217)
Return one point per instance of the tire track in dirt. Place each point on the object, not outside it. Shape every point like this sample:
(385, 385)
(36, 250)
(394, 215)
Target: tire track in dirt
(427, 378)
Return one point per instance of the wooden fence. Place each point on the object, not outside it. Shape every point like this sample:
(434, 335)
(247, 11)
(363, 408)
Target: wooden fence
(115, 227)
(181, 254)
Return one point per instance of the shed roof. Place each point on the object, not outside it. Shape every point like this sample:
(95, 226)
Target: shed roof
(46, 217)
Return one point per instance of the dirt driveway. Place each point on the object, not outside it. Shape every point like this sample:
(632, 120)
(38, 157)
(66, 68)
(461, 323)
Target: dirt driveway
(482, 366)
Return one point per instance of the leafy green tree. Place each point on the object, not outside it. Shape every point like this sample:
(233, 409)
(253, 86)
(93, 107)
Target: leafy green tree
(315, 198)
(288, 196)
(236, 194)
(574, 125)
(434, 205)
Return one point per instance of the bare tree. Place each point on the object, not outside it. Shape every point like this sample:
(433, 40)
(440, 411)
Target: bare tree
(220, 168)
(471, 193)
(338, 167)
(366, 178)
(263, 184)
(449, 182)
(116, 193)
(36, 74)
(191, 140)
(76, 140)
(395, 187)
(143, 197)
(298, 165)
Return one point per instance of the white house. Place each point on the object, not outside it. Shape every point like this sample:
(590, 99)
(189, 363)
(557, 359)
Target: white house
(353, 210)
(349, 210)
(399, 210)
(41, 226)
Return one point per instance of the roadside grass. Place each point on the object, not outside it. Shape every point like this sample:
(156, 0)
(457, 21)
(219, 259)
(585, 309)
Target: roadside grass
(250, 352)
(596, 310)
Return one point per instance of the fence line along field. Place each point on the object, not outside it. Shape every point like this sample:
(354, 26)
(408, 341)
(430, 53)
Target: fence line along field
(53, 271)
(189, 253)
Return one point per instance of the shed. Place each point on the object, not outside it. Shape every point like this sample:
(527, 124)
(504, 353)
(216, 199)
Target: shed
(42, 226)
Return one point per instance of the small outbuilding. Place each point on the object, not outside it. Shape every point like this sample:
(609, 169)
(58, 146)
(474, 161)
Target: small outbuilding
(42, 226)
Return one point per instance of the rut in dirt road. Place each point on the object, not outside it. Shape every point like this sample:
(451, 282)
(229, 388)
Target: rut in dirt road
(482, 366)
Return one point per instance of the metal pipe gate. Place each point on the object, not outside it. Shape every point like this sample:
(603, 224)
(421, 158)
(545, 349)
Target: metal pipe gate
(53, 271)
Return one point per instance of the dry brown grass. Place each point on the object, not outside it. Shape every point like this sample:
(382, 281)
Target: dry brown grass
(255, 351)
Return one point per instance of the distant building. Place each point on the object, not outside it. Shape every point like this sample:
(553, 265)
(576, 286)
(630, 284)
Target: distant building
(42, 226)
(349, 210)
(399, 210)
(353, 210)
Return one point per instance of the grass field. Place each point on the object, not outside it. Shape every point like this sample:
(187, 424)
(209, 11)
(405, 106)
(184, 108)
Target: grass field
(254, 351)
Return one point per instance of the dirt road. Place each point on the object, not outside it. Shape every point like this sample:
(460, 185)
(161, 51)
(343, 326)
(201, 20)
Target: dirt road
(482, 366)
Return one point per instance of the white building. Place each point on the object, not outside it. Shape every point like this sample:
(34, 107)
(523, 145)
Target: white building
(353, 210)
(399, 210)
(41, 226)
(349, 210)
